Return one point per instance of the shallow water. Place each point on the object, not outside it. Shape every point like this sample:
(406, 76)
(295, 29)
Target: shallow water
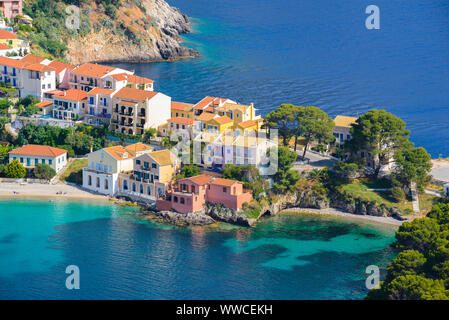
(290, 256)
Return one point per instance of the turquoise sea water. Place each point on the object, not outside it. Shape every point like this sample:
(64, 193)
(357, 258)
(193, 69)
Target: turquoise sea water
(290, 256)
(319, 53)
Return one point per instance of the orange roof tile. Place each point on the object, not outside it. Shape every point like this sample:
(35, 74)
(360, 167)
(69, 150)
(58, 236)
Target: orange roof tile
(60, 66)
(131, 78)
(4, 47)
(206, 116)
(181, 120)
(208, 102)
(44, 104)
(72, 94)
(128, 152)
(32, 59)
(135, 94)
(38, 150)
(38, 67)
(247, 124)
(181, 106)
(96, 91)
(92, 70)
(222, 120)
(11, 62)
(201, 179)
(224, 182)
(4, 34)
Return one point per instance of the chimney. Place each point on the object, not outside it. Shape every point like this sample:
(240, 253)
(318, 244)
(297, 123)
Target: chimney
(252, 108)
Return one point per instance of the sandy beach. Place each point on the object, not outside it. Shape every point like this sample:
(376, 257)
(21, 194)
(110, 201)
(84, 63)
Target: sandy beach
(7, 189)
(338, 213)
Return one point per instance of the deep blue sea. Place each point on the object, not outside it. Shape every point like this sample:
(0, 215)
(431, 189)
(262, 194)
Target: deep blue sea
(319, 53)
(119, 256)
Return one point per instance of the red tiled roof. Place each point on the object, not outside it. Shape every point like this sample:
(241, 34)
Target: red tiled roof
(208, 102)
(60, 66)
(44, 104)
(38, 67)
(181, 106)
(206, 116)
(4, 34)
(32, 59)
(4, 47)
(135, 94)
(96, 91)
(181, 120)
(224, 182)
(202, 179)
(11, 62)
(222, 120)
(72, 94)
(38, 150)
(92, 70)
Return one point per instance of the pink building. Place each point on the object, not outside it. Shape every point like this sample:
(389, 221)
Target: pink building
(11, 8)
(193, 192)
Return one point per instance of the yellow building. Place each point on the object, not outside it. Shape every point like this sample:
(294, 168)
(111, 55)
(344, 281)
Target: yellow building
(237, 112)
(219, 124)
(342, 130)
(248, 127)
(181, 110)
(9, 39)
(152, 173)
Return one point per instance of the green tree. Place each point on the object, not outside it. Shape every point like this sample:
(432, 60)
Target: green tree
(14, 169)
(44, 171)
(380, 133)
(412, 165)
(285, 179)
(281, 119)
(314, 125)
(414, 287)
(4, 152)
(190, 170)
(149, 133)
(408, 262)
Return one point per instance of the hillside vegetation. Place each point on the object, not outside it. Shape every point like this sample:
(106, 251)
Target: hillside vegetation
(109, 30)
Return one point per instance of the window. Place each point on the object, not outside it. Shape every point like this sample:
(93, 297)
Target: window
(36, 161)
(125, 185)
(106, 184)
(175, 199)
(28, 162)
(89, 180)
(193, 189)
(154, 166)
(98, 182)
(156, 177)
(50, 161)
(181, 200)
(21, 160)
(225, 190)
(138, 162)
(141, 189)
(146, 164)
(149, 191)
(134, 187)
(43, 160)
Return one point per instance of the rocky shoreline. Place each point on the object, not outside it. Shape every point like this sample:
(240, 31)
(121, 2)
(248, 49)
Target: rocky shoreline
(159, 41)
(297, 202)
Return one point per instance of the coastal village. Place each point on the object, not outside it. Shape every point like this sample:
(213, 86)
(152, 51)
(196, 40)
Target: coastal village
(138, 131)
(84, 130)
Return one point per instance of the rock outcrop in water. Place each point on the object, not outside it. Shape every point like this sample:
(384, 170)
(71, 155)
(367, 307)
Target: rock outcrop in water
(143, 31)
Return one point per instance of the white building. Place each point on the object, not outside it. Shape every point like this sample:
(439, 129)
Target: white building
(136, 110)
(101, 174)
(99, 106)
(28, 78)
(30, 155)
(70, 104)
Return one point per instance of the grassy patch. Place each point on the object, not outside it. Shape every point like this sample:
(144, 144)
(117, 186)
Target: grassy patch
(74, 172)
(360, 189)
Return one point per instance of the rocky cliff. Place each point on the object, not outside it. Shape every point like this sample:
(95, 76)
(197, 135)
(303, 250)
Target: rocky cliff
(128, 31)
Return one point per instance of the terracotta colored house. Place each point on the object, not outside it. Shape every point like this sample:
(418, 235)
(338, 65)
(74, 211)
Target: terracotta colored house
(193, 192)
